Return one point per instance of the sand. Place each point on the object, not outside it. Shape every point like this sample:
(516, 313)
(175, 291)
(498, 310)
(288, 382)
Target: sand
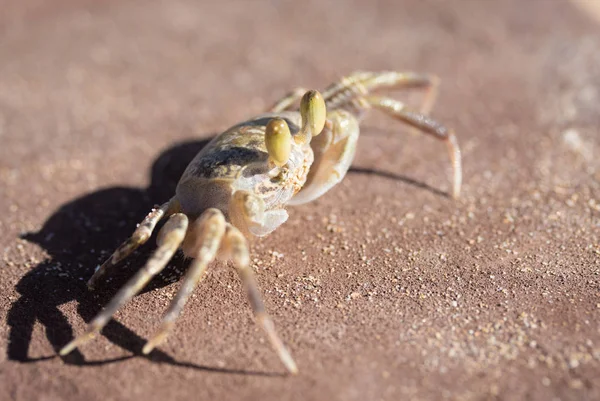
(385, 288)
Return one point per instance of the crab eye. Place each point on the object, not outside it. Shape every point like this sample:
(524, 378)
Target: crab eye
(313, 112)
(279, 141)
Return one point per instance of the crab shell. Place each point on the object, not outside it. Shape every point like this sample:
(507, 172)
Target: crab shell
(237, 160)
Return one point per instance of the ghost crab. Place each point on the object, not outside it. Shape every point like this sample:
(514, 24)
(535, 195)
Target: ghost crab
(239, 184)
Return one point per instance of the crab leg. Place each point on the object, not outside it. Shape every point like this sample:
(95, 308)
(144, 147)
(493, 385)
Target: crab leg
(138, 238)
(237, 248)
(361, 83)
(169, 239)
(206, 234)
(404, 80)
(427, 125)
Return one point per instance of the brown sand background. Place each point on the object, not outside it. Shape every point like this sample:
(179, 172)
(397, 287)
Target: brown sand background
(384, 289)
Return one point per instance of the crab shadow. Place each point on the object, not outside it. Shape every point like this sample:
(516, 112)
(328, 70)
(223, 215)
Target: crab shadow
(80, 235)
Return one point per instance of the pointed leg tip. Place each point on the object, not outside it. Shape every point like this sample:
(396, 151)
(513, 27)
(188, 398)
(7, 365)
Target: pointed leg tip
(290, 365)
(155, 341)
(91, 283)
(66, 350)
(78, 341)
(293, 370)
(148, 348)
(288, 361)
(456, 192)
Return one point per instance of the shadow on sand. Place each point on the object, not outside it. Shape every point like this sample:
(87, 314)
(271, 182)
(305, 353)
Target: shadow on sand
(80, 235)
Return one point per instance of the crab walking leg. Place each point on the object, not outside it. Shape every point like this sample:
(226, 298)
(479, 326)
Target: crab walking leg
(349, 89)
(288, 100)
(405, 80)
(206, 234)
(427, 125)
(139, 237)
(169, 239)
(237, 247)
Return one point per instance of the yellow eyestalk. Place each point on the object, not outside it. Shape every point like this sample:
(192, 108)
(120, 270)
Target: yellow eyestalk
(279, 141)
(313, 113)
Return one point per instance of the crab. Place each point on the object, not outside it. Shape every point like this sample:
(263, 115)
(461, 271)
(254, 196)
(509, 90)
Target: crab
(238, 186)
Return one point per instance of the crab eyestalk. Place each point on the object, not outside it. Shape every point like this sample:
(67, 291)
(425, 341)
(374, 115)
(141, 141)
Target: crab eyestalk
(279, 141)
(313, 113)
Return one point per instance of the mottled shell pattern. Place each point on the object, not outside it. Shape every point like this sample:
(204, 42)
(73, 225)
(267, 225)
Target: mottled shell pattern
(238, 159)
